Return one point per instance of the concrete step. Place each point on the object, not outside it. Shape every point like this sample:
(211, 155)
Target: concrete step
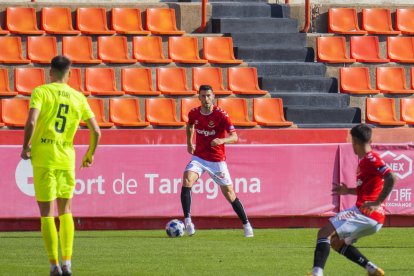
(338, 125)
(299, 84)
(254, 25)
(329, 100)
(289, 68)
(271, 40)
(274, 54)
(248, 9)
(315, 115)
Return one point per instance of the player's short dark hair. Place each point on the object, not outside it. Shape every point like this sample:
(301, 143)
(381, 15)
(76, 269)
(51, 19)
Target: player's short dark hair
(205, 87)
(60, 64)
(362, 132)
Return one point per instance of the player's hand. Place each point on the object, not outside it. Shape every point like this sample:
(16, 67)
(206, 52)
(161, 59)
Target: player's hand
(340, 189)
(87, 161)
(25, 153)
(370, 206)
(190, 149)
(217, 142)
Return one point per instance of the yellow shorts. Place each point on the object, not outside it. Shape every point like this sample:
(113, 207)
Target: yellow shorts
(50, 184)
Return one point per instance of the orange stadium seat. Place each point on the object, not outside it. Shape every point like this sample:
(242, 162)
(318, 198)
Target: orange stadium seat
(75, 81)
(186, 105)
(381, 111)
(356, 80)
(332, 50)
(4, 84)
(269, 112)
(41, 49)
(11, 50)
(27, 79)
(392, 80)
(211, 76)
(173, 81)
(243, 80)
(161, 112)
(148, 49)
(405, 20)
(14, 112)
(138, 81)
(412, 77)
(93, 21)
(378, 21)
(79, 49)
(97, 107)
(20, 20)
(219, 50)
(344, 21)
(126, 113)
(162, 21)
(101, 82)
(114, 49)
(237, 110)
(3, 32)
(407, 110)
(58, 20)
(401, 49)
(128, 21)
(366, 49)
(184, 49)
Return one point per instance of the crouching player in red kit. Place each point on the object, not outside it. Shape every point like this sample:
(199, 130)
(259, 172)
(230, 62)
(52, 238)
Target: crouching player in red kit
(210, 124)
(374, 183)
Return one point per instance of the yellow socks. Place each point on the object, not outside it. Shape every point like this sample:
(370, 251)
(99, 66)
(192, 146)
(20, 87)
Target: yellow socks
(66, 234)
(50, 238)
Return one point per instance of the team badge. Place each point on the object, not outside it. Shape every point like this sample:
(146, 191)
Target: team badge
(211, 124)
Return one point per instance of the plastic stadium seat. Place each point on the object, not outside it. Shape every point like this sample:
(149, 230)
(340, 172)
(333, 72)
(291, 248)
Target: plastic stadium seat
(219, 50)
(186, 105)
(79, 49)
(27, 79)
(237, 110)
(344, 21)
(412, 77)
(41, 49)
(162, 21)
(101, 82)
(75, 81)
(126, 113)
(14, 112)
(378, 21)
(407, 110)
(20, 20)
(4, 83)
(366, 49)
(173, 81)
(93, 21)
(127, 21)
(58, 20)
(269, 112)
(138, 81)
(184, 49)
(161, 112)
(381, 111)
(211, 76)
(401, 49)
(356, 80)
(11, 50)
(243, 80)
(332, 49)
(3, 32)
(114, 49)
(405, 20)
(97, 107)
(148, 49)
(392, 80)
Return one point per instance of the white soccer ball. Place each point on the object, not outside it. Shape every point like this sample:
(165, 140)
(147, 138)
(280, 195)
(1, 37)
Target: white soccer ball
(175, 228)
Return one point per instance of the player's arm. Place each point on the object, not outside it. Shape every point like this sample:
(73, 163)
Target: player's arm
(343, 189)
(232, 138)
(28, 132)
(95, 136)
(190, 134)
(389, 181)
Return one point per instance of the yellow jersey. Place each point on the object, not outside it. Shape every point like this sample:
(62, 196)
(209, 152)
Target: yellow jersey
(61, 109)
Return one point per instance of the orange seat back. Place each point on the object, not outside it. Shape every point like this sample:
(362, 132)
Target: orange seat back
(136, 79)
(170, 79)
(377, 20)
(77, 47)
(100, 79)
(4, 80)
(404, 20)
(235, 107)
(112, 48)
(27, 79)
(21, 19)
(14, 112)
(218, 48)
(365, 47)
(354, 79)
(183, 48)
(11, 48)
(75, 80)
(391, 78)
(92, 20)
(380, 110)
(407, 110)
(186, 105)
(57, 19)
(97, 107)
(160, 110)
(148, 47)
(331, 48)
(242, 79)
(399, 47)
(161, 19)
(208, 75)
(342, 19)
(126, 19)
(268, 110)
(124, 110)
(41, 49)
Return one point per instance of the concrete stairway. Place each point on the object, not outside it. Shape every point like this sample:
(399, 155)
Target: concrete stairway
(266, 38)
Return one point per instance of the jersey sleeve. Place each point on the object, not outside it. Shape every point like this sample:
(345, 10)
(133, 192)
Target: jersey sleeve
(36, 99)
(86, 110)
(378, 166)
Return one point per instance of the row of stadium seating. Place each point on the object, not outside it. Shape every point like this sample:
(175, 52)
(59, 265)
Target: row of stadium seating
(389, 80)
(138, 81)
(58, 20)
(125, 112)
(381, 111)
(374, 21)
(114, 49)
(365, 49)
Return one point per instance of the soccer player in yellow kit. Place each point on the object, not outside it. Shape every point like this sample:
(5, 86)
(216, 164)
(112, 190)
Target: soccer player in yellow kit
(55, 112)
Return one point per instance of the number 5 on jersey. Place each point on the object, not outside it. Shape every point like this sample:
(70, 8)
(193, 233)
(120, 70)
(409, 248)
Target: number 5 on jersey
(62, 111)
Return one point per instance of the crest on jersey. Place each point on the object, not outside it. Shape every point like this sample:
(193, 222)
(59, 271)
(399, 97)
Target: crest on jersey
(211, 124)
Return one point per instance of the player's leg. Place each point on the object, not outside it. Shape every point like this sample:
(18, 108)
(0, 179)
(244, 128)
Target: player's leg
(322, 249)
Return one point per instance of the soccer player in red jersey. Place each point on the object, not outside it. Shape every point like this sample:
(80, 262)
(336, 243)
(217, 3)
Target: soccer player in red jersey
(210, 123)
(374, 183)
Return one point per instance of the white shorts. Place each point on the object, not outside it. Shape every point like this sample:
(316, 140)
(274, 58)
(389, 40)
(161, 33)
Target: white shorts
(351, 224)
(218, 171)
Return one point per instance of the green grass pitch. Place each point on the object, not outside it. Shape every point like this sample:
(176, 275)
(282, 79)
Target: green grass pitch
(209, 252)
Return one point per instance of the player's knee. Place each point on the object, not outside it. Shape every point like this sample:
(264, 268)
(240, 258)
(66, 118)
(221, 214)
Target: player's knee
(322, 234)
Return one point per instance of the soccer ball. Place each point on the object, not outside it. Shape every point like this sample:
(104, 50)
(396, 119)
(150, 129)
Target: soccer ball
(175, 228)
